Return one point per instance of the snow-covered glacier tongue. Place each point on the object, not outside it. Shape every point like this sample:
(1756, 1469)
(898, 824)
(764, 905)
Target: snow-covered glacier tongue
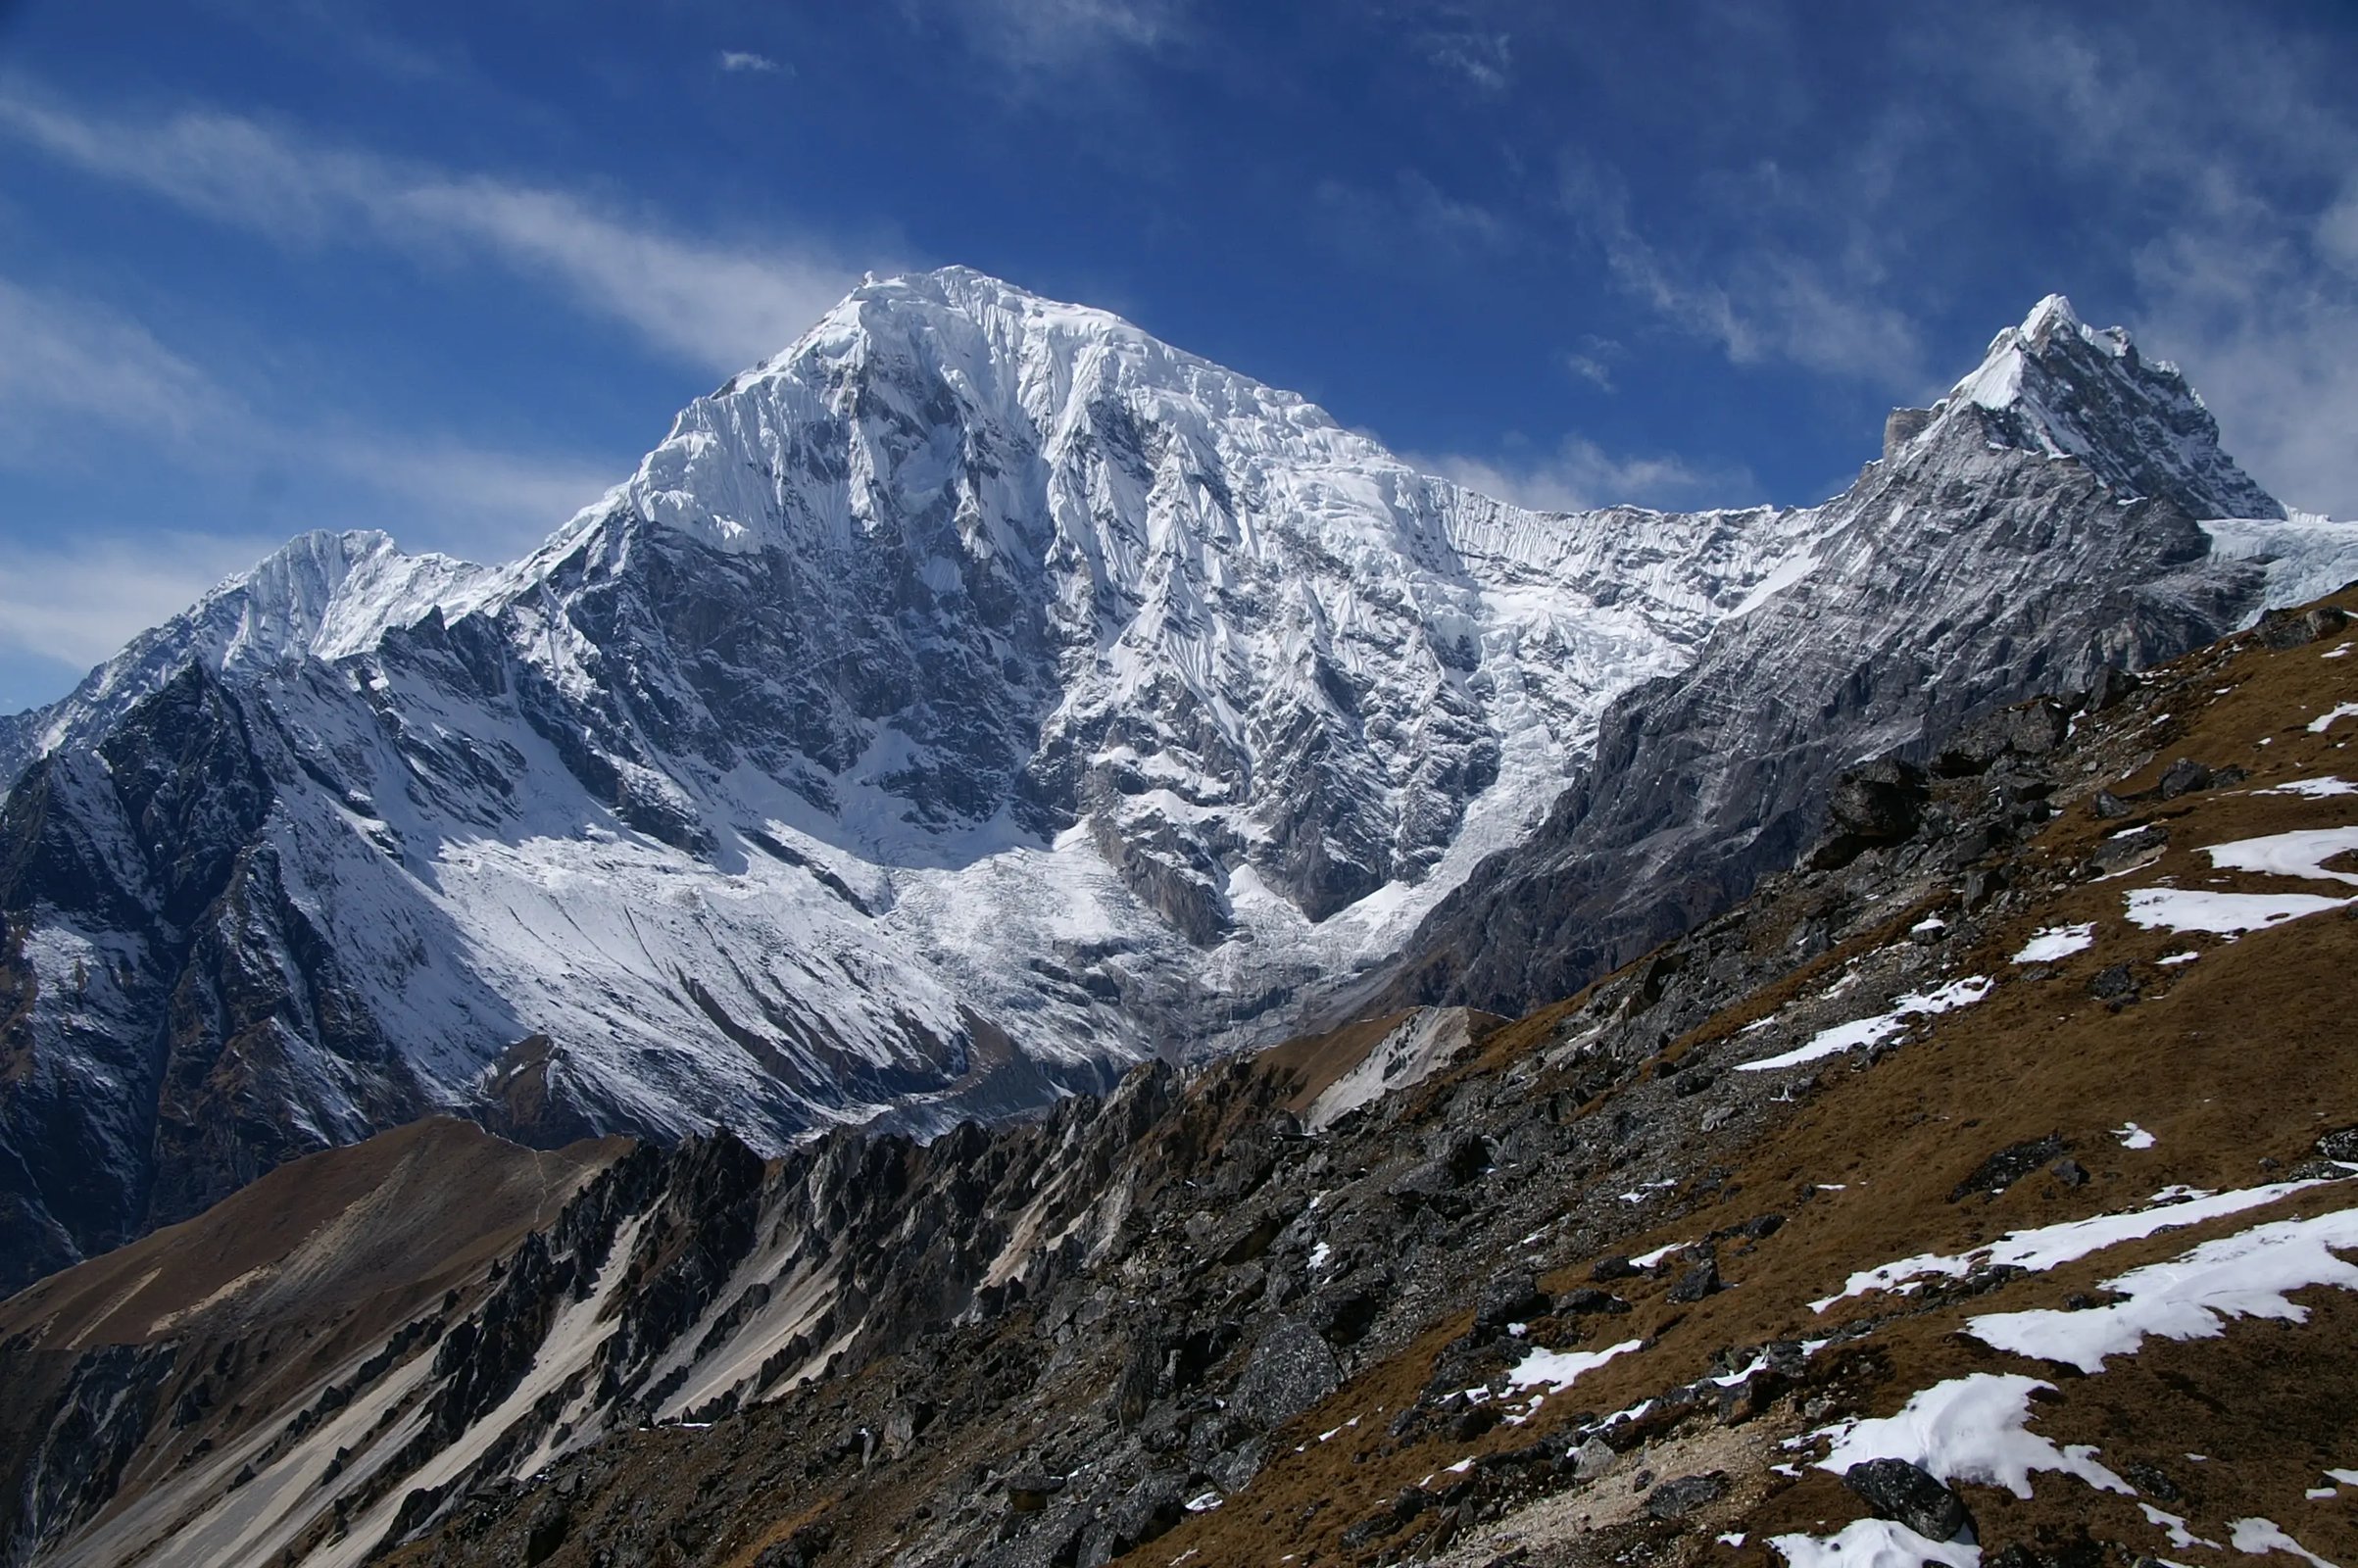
(974, 699)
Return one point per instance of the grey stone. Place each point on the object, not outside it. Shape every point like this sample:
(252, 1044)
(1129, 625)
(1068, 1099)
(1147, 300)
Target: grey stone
(1291, 1369)
(2282, 630)
(1909, 1495)
(1512, 1297)
(1677, 1498)
(1699, 1280)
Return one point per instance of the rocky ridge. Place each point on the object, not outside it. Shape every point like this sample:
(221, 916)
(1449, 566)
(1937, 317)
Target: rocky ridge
(973, 700)
(1565, 1296)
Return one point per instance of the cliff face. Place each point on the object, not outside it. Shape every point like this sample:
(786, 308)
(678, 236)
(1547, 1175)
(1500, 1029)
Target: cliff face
(973, 702)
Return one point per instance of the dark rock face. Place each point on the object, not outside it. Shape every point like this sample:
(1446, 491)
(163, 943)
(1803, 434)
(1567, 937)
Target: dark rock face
(1907, 1494)
(88, 1435)
(209, 1012)
(1986, 575)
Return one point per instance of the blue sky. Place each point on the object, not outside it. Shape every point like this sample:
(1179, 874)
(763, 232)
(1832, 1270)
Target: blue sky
(272, 265)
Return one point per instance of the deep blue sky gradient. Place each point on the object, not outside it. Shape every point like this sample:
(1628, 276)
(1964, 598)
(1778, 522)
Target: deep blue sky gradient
(270, 265)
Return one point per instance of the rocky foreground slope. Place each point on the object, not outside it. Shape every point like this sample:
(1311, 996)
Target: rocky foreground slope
(1974, 1193)
(983, 697)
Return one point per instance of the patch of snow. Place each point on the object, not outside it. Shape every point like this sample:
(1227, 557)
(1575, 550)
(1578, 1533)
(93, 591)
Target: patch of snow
(2180, 1534)
(1782, 575)
(2057, 942)
(2052, 1246)
(1972, 1428)
(1559, 1369)
(2250, 1274)
(1874, 1544)
(2256, 1538)
(2302, 853)
(2315, 789)
(1872, 1031)
(2133, 1136)
(2178, 959)
(1649, 1259)
(1201, 1502)
(2222, 914)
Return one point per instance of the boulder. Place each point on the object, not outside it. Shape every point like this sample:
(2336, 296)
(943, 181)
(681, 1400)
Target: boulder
(2110, 685)
(1909, 1495)
(2010, 1165)
(2296, 629)
(1677, 1498)
(1878, 803)
(1699, 1281)
(1510, 1298)
(1291, 1370)
(2030, 729)
(2184, 777)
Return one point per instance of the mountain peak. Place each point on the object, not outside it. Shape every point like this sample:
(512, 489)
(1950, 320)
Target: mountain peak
(2055, 384)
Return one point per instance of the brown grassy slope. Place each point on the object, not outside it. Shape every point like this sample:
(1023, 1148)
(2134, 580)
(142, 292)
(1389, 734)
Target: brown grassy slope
(268, 1289)
(2235, 1062)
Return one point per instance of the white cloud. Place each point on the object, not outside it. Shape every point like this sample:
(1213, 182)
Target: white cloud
(719, 307)
(1483, 60)
(745, 59)
(1761, 301)
(67, 362)
(1592, 361)
(1579, 476)
(79, 601)
(1061, 36)
(84, 384)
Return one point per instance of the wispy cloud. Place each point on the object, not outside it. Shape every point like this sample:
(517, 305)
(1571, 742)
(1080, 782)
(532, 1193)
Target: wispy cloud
(79, 601)
(1760, 302)
(745, 59)
(81, 383)
(1479, 58)
(71, 362)
(1060, 37)
(715, 306)
(1410, 221)
(1579, 476)
(1593, 362)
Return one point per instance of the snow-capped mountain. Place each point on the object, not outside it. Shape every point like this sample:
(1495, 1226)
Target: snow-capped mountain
(972, 700)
